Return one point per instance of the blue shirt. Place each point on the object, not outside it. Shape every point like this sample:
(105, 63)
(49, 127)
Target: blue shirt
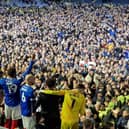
(11, 87)
(112, 33)
(26, 94)
(126, 54)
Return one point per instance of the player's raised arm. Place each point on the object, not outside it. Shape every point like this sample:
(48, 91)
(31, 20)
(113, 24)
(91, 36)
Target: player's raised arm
(58, 92)
(53, 92)
(28, 70)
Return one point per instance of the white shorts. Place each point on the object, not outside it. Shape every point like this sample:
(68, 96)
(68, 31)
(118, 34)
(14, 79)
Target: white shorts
(13, 113)
(2, 127)
(28, 122)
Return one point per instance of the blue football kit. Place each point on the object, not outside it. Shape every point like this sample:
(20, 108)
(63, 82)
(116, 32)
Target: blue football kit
(11, 87)
(27, 96)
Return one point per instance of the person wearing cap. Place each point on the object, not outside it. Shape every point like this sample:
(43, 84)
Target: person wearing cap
(27, 96)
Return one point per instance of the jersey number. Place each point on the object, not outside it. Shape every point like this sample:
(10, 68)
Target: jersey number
(73, 103)
(12, 88)
(23, 97)
(73, 98)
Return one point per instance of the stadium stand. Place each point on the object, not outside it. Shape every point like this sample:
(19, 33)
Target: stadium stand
(78, 49)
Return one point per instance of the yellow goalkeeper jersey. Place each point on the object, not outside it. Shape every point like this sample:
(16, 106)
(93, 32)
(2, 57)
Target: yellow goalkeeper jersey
(73, 105)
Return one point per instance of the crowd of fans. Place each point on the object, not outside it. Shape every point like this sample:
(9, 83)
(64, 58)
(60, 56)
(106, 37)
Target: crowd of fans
(83, 44)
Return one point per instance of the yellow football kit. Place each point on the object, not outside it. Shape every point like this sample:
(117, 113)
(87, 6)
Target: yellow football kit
(73, 105)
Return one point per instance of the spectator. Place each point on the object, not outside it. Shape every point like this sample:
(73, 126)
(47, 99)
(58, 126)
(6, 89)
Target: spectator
(108, 126)
(71, 43)
(122, 122)
(88, 124)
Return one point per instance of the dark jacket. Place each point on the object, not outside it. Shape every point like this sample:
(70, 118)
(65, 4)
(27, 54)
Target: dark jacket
(49, 110)
(49, 104)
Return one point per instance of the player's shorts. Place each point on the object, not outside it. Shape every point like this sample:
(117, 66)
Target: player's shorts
(66, 125)
(13, 113)
(2, 127)
(28, 122)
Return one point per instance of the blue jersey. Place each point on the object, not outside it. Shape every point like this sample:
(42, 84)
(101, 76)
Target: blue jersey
(27, 95)
(11, 87)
